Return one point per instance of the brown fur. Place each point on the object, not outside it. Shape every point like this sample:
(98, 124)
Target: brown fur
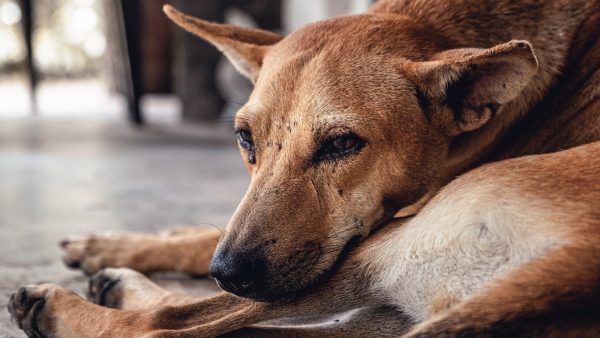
(433, 89)
(186, 250)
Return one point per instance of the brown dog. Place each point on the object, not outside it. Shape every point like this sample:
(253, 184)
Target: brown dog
(353, 119)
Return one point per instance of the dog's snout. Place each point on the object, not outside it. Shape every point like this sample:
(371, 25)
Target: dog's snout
(237, 272)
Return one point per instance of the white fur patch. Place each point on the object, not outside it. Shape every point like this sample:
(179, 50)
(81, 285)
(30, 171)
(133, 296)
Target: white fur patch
(461, 240)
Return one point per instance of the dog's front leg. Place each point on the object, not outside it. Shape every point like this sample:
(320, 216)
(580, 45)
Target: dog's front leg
(186, 250)
(51, 311)
(126, 289)
(48, 310)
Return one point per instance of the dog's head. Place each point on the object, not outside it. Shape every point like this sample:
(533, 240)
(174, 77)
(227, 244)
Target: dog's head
(349, 121)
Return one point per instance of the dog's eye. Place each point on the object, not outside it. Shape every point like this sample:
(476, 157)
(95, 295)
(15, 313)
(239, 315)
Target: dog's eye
(339, 146)
(343, 143)
(245, 139)
(246, 142)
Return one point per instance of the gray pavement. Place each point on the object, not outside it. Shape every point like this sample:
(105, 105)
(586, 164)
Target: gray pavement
(78, 176)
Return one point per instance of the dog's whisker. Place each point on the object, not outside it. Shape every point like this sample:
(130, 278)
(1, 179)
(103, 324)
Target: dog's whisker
(236, 103)
(214, 226)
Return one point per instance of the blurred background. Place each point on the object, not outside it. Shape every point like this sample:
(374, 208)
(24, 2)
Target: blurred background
(125, 60)
(112, 118)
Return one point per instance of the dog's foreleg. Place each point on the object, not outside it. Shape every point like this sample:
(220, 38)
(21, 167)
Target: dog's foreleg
(126, 289)
(48, 310)
(58, 312)
(186, 250)
(556, 295)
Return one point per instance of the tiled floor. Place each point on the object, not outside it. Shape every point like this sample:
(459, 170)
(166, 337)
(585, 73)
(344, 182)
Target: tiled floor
(74, 176)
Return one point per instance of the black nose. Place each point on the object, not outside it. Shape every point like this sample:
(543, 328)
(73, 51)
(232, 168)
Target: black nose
(237, 272)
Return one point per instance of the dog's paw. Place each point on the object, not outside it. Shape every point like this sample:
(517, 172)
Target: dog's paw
(30, 309)
(96, 252)
(105, 288)
(48, 310)
(89, 253)
(124, 289)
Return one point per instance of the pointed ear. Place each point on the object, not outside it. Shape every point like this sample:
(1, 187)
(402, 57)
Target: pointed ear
(466, 87)
(245, 48)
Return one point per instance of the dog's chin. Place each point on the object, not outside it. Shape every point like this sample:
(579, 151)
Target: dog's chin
(283, 290)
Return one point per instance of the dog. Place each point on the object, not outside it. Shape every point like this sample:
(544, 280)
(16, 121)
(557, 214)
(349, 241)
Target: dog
(354, 134)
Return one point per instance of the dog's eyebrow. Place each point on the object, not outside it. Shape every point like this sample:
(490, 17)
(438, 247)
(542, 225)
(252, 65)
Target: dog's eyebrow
(244, 117)
(246, 112)
(329, 123)
(241, 119)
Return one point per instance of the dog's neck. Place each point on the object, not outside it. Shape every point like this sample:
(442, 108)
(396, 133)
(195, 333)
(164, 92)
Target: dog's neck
(551, 24)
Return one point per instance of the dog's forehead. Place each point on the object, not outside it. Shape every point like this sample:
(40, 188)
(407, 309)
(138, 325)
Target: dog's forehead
(317, 105)
(315, 80)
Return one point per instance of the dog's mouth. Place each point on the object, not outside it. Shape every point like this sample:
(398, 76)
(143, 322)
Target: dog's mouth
(301, 269)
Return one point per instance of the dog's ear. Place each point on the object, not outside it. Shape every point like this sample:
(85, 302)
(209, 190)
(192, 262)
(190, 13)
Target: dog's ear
(245, 48)
(469, 85)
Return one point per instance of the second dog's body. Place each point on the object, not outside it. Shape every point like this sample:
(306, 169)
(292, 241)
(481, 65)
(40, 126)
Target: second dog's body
(353, 119)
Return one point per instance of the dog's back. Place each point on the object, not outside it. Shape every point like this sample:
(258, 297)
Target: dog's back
(560, 108)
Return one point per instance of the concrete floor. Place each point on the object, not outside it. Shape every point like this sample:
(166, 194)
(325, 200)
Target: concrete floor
(76, 176)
